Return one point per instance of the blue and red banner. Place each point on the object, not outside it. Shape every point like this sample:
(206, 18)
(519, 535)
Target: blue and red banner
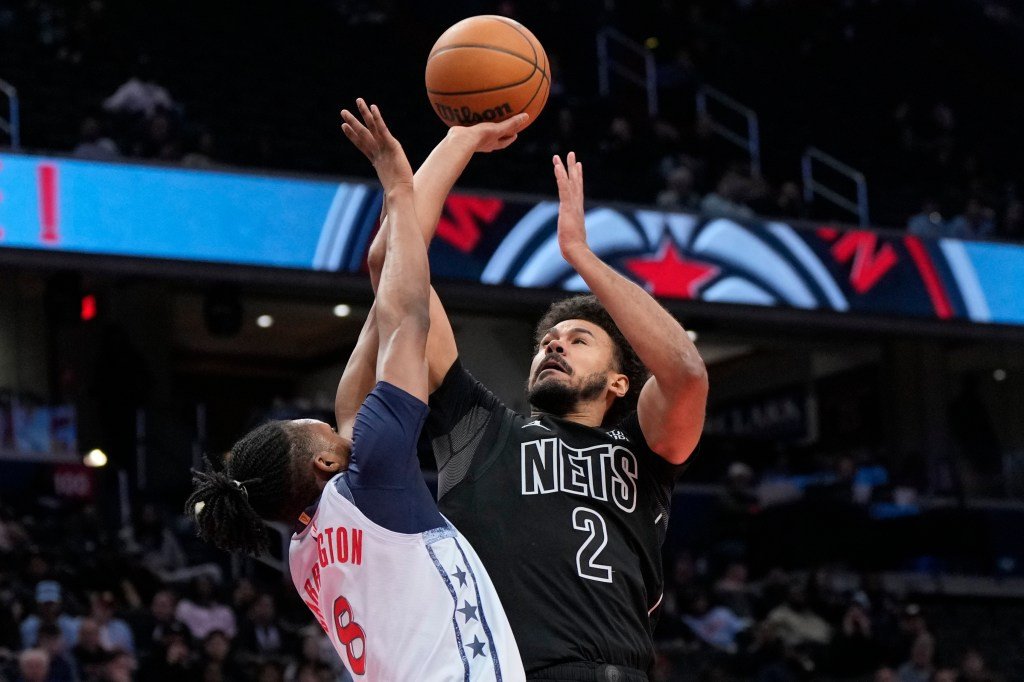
(219, 217)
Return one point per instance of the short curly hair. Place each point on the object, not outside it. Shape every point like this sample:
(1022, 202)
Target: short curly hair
(586, 307)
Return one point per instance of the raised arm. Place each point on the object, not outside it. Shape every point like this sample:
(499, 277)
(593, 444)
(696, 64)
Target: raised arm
(359, 376)
(672, 402)
(434, 181)
(403, 293)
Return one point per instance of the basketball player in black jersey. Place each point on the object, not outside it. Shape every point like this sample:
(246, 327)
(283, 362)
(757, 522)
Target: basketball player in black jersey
(568, 506)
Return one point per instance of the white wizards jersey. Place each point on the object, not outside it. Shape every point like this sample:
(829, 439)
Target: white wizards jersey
(401, 607)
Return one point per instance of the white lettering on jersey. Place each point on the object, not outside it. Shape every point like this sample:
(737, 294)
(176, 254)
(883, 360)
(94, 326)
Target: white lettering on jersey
(536, 422)
(549, 465)
(618, 435)
(540, 466)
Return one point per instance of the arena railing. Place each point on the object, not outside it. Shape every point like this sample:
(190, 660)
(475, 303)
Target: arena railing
(608, 65)
(813, 186)
(751, 142)
(12, 124)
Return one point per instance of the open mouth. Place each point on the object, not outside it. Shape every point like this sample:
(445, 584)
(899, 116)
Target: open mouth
(552, 363)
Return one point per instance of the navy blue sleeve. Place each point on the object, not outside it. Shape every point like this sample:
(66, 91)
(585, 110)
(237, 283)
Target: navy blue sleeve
(384, 478)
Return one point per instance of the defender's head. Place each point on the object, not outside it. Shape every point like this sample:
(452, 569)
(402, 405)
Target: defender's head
(581, 357)
(274, 472)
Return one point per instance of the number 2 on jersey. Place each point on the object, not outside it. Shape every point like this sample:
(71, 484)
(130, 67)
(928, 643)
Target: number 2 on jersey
(351, 635)
(590, 521)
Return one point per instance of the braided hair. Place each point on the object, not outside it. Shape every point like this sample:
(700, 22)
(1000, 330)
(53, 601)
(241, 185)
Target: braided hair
(256, 482)
(587, 307)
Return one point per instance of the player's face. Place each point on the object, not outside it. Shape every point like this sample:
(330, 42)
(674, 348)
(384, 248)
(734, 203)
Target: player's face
(573, 362)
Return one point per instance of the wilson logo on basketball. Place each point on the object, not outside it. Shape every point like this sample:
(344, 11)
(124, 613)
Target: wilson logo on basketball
(466, 116)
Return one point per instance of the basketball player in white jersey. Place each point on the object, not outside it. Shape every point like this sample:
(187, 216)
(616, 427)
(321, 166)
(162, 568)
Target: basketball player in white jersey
(399, 591)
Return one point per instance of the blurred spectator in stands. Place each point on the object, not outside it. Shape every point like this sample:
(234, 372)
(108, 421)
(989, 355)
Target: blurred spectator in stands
(89, 653)
(921, 664)
(798, 624)
(565, 131)
(38, 567)
(974, 668)
(49, 611)
(204, 153)
(158, 140)
(316, 652)
(976, 222)
(980, 455)
(160, 551)
(62, 666)
(886, 674)
(217, 655)
(243, 596)
(1013, 221)
(33, 666)
(270, 671)
(912, 627)
(171, 661)
(120, 668)
(735, 508)
(139, 97)
(149, 627)
(855, 648)
(312, 672)
(733, 591)
(678, 194)
(928, 222)
(86, 531)
(12, 535)
(94, 144)
(626, 163)
(789, 202)
(10, 615)
(259, 634)
(115, 635)
(729, 200)
(774, 659)
(678, 73)
(202, 613)
(945, 675)
(716, 626)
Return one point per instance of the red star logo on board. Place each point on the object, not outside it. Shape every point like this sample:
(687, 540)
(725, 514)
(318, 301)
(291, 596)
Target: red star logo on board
(670, 275)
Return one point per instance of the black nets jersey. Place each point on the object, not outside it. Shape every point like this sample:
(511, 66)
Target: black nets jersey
(568, 520)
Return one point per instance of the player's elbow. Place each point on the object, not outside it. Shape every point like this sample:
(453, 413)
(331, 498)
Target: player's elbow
(375, 256)
(409, 318)
(696, 375)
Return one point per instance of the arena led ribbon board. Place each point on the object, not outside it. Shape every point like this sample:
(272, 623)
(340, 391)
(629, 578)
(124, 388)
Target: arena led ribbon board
(280, 222)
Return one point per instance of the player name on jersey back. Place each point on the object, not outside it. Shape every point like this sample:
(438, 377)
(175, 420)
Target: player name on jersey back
(401, 606)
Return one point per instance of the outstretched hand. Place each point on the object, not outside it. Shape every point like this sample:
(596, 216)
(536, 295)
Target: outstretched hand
(572, 233)
(490, 137)
(372, 137)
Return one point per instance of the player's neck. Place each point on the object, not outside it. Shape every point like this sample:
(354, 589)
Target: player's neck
(588, 414)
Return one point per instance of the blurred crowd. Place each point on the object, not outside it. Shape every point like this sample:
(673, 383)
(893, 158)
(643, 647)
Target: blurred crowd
(81, 600)
(108, 80)
(719, 624)
(81, 603)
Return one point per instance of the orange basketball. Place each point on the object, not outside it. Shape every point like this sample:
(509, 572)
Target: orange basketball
(487, 68)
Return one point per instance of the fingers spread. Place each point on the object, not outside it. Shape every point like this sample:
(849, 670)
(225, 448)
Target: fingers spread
(560, 176)
(367, 115)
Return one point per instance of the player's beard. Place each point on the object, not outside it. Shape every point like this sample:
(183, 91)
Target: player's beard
(559, 398)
